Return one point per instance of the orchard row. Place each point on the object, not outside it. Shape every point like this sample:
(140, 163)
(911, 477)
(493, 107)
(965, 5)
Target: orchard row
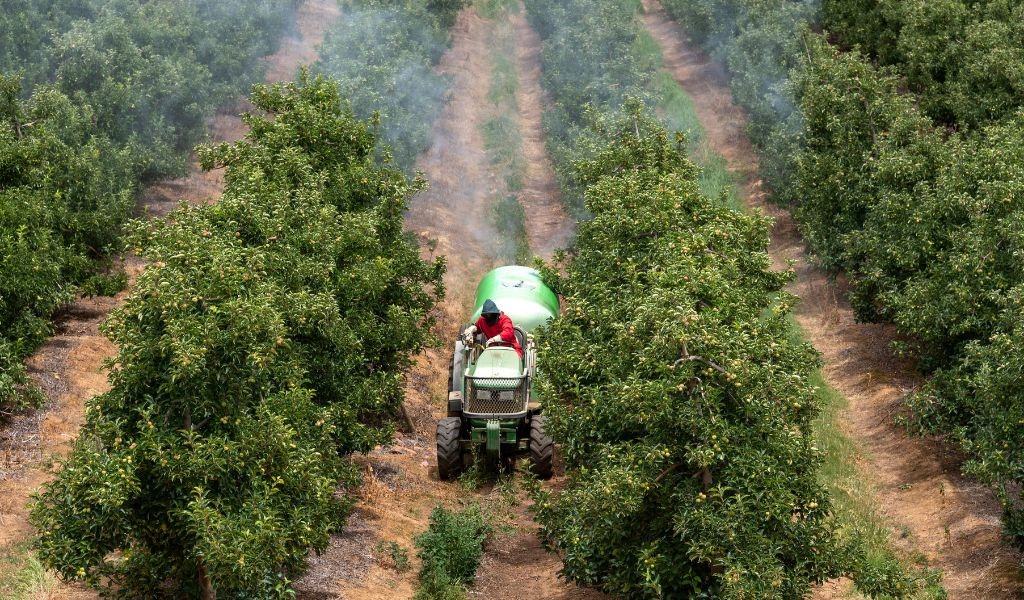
(97, 98)
(897, 136)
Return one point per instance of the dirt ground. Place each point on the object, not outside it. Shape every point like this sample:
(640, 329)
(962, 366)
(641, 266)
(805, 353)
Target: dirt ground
(69, 367)
(952, 520)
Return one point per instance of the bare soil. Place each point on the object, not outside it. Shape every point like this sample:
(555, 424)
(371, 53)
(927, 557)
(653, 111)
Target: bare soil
(953, 521)
(69, 366)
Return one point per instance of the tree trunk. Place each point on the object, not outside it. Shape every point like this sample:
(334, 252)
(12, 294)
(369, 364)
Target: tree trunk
(205, 587)
(409, 425)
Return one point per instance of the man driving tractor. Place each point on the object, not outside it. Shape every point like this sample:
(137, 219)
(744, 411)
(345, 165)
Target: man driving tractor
(496, 325)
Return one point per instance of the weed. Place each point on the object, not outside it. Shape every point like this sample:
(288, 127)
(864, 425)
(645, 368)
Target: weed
(477, 474)
(507, 488)
(395, 554)
(22, 576)
(450, 549)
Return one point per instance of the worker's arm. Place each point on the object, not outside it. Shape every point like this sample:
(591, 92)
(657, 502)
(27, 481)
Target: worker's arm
(508, 332)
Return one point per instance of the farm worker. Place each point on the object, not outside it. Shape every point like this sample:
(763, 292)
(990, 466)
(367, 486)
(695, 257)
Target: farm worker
(496, 326)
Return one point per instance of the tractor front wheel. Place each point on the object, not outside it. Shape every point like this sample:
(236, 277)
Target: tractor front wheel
(542, 449)
(449, 451)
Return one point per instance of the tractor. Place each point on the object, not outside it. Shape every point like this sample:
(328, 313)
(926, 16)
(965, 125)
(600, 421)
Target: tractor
(492, 411)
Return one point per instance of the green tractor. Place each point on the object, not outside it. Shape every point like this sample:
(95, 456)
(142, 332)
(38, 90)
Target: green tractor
(491, 408)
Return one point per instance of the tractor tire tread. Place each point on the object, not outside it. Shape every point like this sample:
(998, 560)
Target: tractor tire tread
(542, 449)
(449, 451)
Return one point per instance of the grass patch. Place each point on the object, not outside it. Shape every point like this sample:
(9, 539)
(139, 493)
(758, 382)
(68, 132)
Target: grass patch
(504, 148)
(716, 181)
(23, 577)
(504, 77)
(504, 142)
(647, 52)
(677, 112)
(492, 9)
(676, 109)
(510, 219)
(450, 550)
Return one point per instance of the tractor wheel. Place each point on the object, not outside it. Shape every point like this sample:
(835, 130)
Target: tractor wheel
(542, 448)
(449, 450)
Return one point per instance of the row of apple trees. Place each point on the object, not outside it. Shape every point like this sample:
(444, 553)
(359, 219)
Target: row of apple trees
(681, 401)
(96, 98)
(906, 144)
(265, 342)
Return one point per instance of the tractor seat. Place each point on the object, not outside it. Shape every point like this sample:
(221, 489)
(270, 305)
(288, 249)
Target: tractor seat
(520, 337)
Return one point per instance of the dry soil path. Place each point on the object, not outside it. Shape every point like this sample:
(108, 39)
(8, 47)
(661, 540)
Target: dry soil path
(952, 520)
(517, 566)
(69, 367)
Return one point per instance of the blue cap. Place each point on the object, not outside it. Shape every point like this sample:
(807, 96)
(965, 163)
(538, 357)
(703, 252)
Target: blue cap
(490, 308)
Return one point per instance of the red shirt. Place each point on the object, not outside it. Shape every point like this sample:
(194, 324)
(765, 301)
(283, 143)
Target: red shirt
(502, 327)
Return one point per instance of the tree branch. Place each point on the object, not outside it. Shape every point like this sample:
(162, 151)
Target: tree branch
(687, 357)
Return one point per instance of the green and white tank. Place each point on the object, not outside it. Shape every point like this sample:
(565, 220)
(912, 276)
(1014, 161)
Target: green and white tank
(520, 293)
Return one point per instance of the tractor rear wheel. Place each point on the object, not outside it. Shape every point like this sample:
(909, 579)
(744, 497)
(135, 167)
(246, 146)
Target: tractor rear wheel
(449, 450)
(542, 449)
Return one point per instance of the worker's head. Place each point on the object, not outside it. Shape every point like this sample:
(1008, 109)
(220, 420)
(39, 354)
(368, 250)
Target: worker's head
(490, 312)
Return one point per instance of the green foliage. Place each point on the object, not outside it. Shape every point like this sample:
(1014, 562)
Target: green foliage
(65, 190)
(680, 401)
(861, 140)
(445, 11)
(450, 550)
(963, 58)
(265, 342)
(150, 72)
(383, 54)
(927, 223)
(594, 56)
(112, 93)
(908, 177)
(398, 555)
(104, 284)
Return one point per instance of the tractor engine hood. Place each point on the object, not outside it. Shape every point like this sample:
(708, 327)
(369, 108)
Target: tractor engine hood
(500, 364)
